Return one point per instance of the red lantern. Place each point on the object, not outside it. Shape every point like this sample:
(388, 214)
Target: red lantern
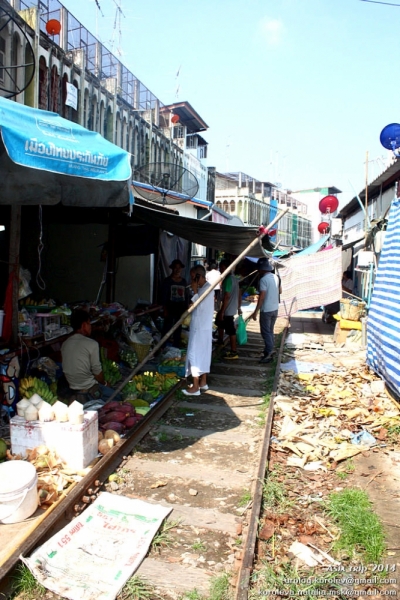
(328, 204)
(53, 27)
(175, 119)
(323, 227)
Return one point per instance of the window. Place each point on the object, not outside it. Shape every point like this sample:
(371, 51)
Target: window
(178, 132)
(2, 57)
(191, 141)
(202, 152)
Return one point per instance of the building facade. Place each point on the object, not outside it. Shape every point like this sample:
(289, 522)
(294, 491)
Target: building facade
(258, 202)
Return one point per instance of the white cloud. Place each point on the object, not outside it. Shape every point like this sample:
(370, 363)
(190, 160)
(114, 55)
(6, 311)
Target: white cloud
(272, 30)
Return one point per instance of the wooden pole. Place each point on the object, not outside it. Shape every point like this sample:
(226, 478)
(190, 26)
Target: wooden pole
(15, 239)
(229, 269)
(366, 193)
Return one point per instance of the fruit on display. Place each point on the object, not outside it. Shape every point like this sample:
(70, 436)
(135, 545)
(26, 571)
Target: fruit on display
(142, 410)
(32, 385)
(112, 435)
(179, 361)
(3, 449)
(110, 369)
(105, 446)
(138, 403)
(151, 382)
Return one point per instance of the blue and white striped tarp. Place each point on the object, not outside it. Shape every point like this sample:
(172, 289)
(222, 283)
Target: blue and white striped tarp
(383, 327)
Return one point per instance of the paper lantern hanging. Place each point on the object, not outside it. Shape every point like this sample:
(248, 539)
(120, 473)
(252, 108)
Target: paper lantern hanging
(53, 27)
(175, 119)
(328, 204)
(323, 227)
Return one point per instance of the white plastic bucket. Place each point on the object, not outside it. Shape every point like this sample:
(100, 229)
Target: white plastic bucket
(18, 491)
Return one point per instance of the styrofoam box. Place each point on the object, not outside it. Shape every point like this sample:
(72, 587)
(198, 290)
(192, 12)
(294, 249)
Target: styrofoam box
(75, 445)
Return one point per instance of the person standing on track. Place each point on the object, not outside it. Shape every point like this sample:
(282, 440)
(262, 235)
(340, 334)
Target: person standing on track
(198, 357)
(267, 306)
(230, 305)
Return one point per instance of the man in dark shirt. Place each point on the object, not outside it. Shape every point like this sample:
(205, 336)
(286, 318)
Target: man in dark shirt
(174, 299)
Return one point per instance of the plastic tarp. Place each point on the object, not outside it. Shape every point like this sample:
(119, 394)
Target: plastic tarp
(45, 159)
(229, 238)
(383, 324)
(314, 247)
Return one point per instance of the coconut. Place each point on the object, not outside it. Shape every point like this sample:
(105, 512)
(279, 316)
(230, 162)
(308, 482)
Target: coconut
(22, 406)
(31, 413)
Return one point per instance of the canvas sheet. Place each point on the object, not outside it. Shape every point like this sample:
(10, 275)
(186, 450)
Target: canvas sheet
(94, 556)
(383, 325)
(311, 280)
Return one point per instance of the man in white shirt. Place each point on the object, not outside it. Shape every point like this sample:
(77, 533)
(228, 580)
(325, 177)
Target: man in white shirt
(267, 306)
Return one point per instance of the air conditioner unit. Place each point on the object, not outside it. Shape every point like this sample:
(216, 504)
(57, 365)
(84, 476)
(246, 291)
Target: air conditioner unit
(365, 258)
(336, 227)
(379, 240)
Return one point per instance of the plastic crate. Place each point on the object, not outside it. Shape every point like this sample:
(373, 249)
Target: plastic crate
(180, 371)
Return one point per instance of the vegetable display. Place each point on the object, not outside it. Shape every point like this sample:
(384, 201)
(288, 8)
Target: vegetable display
(129, 356)
(31, 385)
(110, 369)
(118, 416)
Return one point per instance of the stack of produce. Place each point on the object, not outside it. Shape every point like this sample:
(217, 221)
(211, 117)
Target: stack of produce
(31, 385)
(149, 385)
(110, 370)
(118, 416)
(173, 365)
(129, 356)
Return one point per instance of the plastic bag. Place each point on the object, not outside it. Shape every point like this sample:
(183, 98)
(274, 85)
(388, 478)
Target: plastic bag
(241, 333)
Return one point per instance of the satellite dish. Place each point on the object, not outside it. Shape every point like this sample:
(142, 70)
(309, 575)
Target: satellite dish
(16, 77)
(165, 183)
(390, 136)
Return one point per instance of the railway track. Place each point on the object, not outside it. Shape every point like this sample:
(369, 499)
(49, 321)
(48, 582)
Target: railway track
(204, 457)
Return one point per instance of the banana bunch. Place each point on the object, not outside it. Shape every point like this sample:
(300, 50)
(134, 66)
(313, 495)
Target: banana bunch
(31, 385)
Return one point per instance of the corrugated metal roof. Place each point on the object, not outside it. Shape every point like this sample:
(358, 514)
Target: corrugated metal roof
(373, 188)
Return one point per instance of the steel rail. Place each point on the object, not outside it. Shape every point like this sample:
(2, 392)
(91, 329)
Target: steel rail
(99, 472)
(246, 567)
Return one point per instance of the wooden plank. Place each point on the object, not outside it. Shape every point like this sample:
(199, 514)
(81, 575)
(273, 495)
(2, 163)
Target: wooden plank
(226, 437)
(194, 471)
(206, 518)
(173, 576)
(239, 411)
(241, 393)
(237, 365)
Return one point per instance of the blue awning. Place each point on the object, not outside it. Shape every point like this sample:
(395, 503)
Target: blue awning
(49, 159)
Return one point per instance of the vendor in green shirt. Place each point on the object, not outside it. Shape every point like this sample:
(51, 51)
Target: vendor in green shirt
(230, 306)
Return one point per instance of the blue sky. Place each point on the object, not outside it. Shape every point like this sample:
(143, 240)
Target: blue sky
(295, 91)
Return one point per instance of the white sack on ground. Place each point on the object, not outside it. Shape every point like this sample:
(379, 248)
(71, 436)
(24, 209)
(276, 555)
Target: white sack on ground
(94, 556)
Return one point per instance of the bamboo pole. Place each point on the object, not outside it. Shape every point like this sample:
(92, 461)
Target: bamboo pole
(196, 304)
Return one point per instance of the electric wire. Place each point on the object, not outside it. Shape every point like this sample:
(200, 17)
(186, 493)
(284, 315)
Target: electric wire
(39, 279)
(379, 2)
